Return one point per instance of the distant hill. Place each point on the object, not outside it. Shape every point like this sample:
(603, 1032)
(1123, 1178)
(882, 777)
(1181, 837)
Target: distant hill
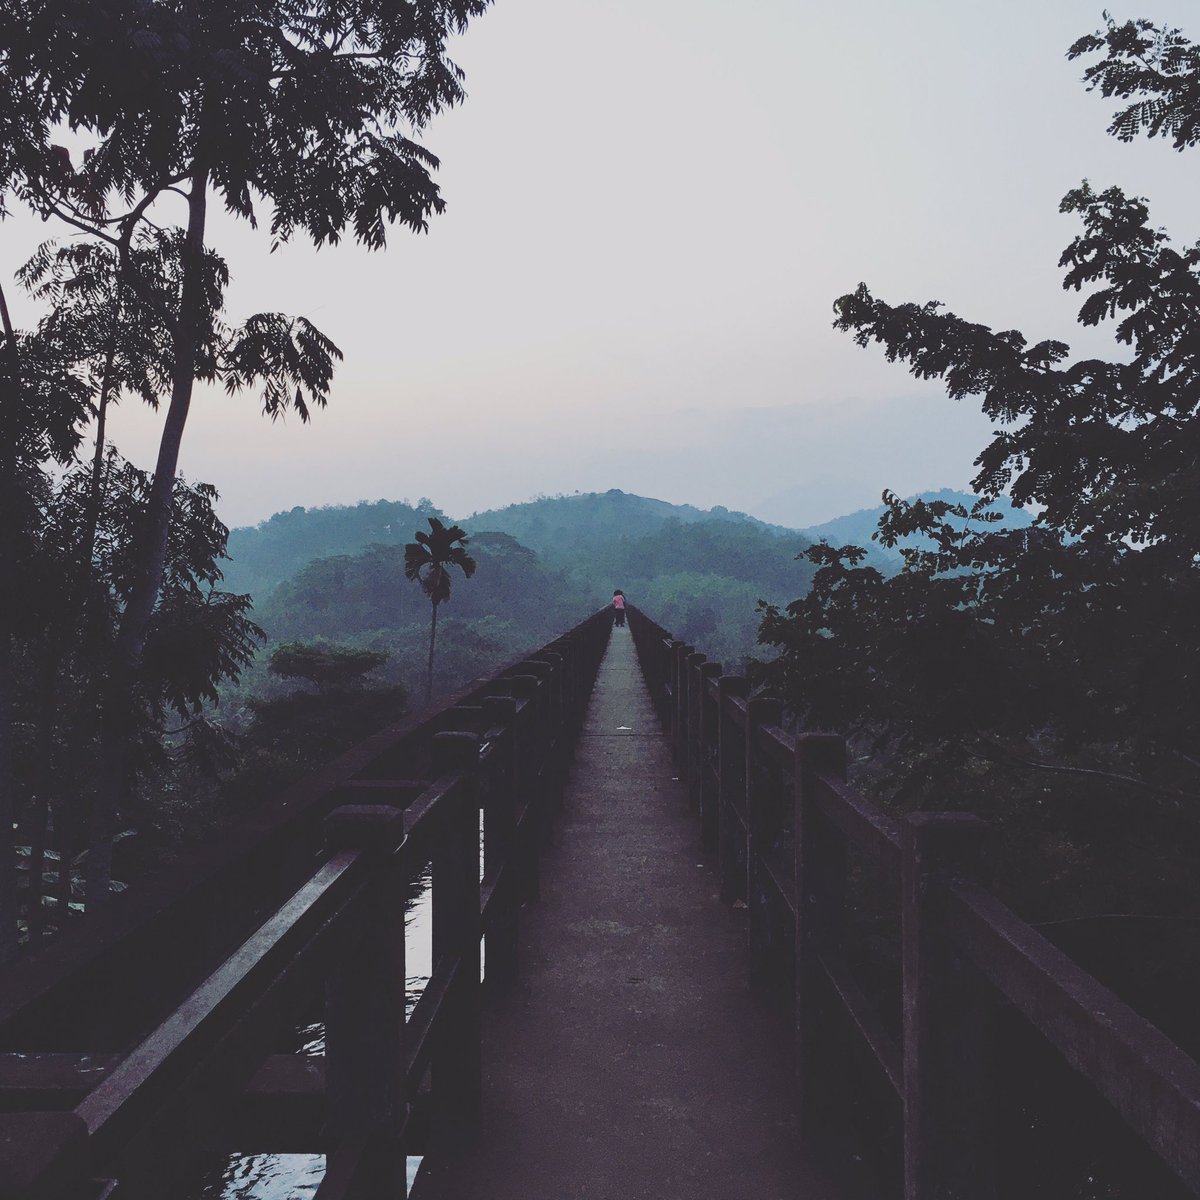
(350, 596)
(336, 576)
(564, 528)
(562, 524)
(262, 556)
(337, 573)
(856, 528)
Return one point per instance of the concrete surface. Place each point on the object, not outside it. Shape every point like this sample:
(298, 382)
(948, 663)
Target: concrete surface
(630, 1060)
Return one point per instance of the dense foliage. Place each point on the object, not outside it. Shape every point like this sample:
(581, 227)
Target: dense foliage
(999, 660)
(303, 114)
(701, 573)
(514, 601)
(264, 555)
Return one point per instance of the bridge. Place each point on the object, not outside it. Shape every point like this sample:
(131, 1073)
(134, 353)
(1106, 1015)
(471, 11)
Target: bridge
(647, 979)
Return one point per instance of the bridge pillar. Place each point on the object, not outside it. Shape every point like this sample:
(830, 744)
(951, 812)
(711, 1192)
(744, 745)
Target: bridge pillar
(44, 1156)
(949, 1118)
(731, 790)
(457, 1069)
(552, 734)
(532, 777)
(365, 1060)
(679, 703)
(579, 678)
(762, 821)
(820, 866)
(501, 845)
(705, 783)
(690, 767)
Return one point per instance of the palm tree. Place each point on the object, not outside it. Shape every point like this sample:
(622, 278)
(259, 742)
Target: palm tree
(428, 560)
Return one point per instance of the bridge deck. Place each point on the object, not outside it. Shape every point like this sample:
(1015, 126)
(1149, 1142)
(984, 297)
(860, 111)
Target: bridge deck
(630, 1059)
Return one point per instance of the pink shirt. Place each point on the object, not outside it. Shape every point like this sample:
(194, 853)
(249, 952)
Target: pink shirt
(618, 602)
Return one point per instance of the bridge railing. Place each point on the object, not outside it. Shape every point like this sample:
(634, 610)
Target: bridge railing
(783, 824)
(82, 1121)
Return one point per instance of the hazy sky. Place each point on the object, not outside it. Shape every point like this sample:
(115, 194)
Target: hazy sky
(652, 206)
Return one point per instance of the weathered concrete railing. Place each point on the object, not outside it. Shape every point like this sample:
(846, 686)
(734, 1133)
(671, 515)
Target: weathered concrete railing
(776, 812)
(145, 1040)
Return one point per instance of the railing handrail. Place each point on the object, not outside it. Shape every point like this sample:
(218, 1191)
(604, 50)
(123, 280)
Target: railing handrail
(293, 817)
(415, 798)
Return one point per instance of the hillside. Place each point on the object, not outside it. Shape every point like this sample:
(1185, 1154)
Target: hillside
(347, 597)
(363, 600)
(563, 528)
(336, 574)
(567, 525)
(264, 555)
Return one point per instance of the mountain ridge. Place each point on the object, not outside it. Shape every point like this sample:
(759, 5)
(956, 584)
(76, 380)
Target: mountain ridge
(574, 530)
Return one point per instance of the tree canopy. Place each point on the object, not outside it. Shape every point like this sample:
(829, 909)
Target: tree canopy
(427, 561)
(327, 668)
(120, 120)
(1066, 646)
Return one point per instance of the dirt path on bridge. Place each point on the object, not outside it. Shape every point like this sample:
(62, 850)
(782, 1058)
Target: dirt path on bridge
(630, 1059)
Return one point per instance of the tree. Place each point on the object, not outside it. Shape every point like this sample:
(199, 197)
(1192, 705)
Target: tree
(327, 668)
(43, 406)
(73, 585)
(1062, 649)
(1159, 67)
(295, 106)
(428, 561)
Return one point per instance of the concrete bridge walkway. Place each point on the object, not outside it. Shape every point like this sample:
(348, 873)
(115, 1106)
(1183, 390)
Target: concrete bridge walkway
(630, 1059)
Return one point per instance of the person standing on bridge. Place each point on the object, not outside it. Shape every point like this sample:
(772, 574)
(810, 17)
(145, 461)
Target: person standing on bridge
(618, 607)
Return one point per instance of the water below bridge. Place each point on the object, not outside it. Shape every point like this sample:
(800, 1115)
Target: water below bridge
(630, 1059)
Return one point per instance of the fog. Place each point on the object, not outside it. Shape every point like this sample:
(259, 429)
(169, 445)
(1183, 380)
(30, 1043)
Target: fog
(652, 206)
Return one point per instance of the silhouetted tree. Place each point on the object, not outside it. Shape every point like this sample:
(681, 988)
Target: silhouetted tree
(327, 668)
(428, 560)
(70, 602)
(43, 406)
(297, 106)
(1155, 66)
(1065, 647)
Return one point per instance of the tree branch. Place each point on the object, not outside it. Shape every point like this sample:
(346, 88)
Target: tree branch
(6, 320)
(1090, 772)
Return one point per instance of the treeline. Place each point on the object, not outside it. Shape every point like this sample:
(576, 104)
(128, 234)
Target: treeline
(703, 572)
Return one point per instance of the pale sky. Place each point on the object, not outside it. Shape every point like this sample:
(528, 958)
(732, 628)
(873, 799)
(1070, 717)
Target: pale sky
(652, 205)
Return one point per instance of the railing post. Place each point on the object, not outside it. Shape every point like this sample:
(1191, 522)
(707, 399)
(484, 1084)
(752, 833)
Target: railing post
(690, 767)
(44, 1156)
(706, 786)
(820, 865)
(525, 784)
(533, 784)
(656, 662)
(554, 727)
(364, 997)
(501, 846)
(762, 710)
(949, 1151)
(731, 788)
(679, 653)
(666, 663)
(457, 1059)
(568, 648)
(468, 717)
